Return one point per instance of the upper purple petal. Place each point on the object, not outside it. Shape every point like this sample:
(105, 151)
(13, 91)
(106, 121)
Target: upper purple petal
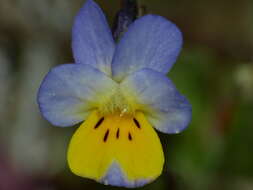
(92, 40)
(150, 42)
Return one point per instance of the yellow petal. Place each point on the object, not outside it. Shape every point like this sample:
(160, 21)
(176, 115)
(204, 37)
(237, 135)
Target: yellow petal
(116, 150)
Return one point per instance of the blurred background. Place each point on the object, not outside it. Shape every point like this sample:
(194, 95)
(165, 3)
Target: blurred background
(214, 71)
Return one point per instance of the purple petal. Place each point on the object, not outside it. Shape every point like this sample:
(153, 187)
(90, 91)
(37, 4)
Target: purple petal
(116, 177)
(70, 92)
(92, 39)
(157, 97)
(150, 42)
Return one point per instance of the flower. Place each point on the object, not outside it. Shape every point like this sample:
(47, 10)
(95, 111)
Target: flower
(121, 91)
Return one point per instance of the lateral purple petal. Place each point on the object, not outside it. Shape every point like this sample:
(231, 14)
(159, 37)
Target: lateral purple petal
(158, 98)
(70, 92)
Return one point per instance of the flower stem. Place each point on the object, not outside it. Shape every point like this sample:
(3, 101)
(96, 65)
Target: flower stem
(126, 15)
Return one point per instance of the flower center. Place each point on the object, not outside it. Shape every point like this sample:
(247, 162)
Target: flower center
(117, 103)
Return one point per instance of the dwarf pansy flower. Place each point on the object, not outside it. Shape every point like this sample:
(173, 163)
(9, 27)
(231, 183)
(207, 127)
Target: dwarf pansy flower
(118, 92)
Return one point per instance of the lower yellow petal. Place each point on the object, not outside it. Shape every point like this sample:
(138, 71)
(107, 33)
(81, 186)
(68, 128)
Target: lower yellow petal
(116, 150)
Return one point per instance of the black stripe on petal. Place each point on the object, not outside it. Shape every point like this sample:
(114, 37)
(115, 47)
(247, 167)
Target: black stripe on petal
(106, 135)
(137, 123)
(99, 123)
(129, 136)
(117, 134)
